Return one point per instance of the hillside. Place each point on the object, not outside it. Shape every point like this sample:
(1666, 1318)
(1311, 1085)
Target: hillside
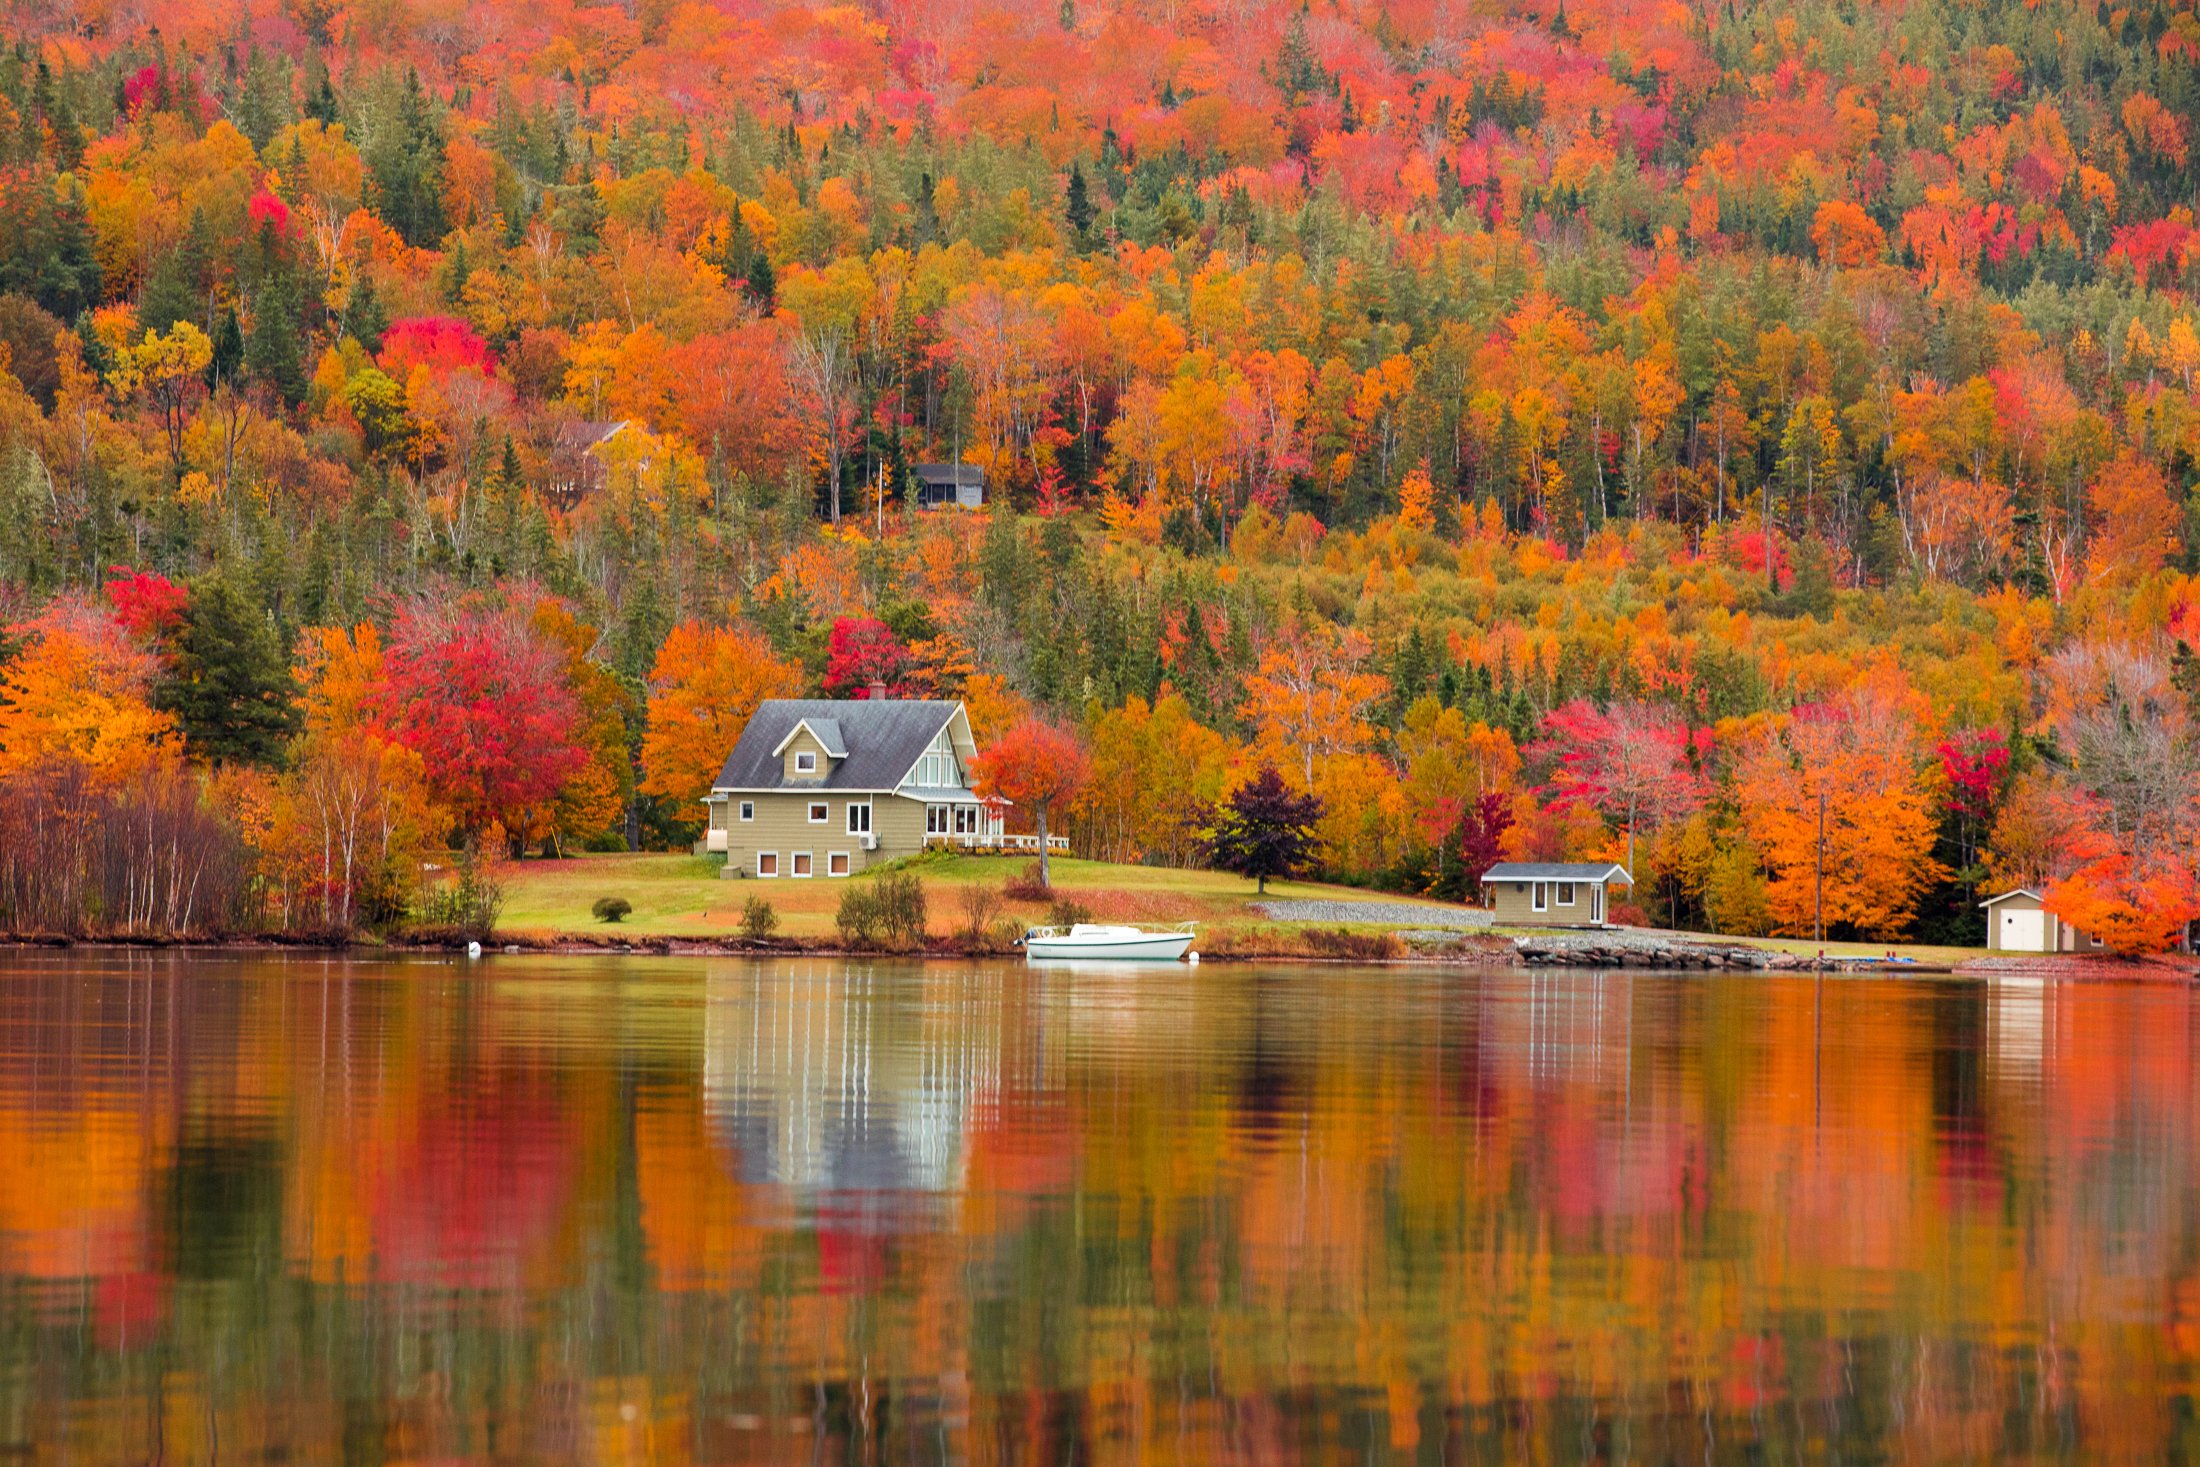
(1585, 430)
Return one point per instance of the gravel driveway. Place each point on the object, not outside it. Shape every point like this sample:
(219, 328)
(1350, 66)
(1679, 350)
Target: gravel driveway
(1404, 913)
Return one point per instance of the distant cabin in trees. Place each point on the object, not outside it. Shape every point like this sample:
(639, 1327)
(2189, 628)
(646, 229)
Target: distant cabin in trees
(819, 787)
(962, 485)
(1551, 893)
(576, 465)
(2018, 921)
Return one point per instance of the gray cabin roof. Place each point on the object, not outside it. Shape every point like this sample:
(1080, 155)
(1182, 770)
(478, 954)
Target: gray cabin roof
(2015, 891)
(884, 738)
(957, 474)
(1557, 871)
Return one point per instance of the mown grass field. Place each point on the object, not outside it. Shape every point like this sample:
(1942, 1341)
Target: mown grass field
(684, 896)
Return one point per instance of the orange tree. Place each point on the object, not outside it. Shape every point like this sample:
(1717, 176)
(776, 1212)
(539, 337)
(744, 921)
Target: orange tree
(703, 689)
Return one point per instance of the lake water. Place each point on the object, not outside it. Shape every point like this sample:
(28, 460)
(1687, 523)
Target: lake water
(266, 1210)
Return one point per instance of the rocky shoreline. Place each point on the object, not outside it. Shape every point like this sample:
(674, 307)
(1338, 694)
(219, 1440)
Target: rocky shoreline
(1614, 949)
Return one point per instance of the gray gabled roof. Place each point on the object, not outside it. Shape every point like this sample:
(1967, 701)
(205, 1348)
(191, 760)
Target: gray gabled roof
(884, 738)
(1556, 871)
(2015, 891)
(825, 730)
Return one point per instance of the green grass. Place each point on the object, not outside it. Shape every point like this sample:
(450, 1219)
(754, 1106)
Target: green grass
(684, 896)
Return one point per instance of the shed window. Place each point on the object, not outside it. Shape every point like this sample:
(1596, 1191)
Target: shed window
(767, 863)
(1565, 893)
(1539, 897)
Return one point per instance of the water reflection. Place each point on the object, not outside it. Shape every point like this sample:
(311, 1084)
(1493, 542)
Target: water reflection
(602, 1210)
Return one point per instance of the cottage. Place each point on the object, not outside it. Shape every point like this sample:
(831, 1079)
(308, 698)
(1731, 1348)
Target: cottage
(817, 787)
(576, 466)
(1550, 893)
(2018, 922)
(957, 484)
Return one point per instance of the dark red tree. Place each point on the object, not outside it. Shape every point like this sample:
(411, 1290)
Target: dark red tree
(1265, 829)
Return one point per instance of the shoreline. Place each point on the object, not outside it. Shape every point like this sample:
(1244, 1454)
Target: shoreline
(1579, 953)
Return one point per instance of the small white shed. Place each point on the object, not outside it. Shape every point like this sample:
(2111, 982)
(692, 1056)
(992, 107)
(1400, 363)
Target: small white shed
(2018, 922)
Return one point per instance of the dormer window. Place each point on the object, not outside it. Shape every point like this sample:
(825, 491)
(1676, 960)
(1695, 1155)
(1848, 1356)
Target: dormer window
(805, 762)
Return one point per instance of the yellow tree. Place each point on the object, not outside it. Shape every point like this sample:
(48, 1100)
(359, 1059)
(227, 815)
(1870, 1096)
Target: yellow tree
(706, 683)
(1310, 694)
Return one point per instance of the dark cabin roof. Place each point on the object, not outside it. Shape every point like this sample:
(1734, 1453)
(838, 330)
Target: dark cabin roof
(951, 474)
(884, 738)
(1555, 871)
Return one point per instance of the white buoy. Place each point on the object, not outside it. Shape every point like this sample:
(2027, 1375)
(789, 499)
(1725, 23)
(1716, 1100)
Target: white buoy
(473, 949)
(1192, 958)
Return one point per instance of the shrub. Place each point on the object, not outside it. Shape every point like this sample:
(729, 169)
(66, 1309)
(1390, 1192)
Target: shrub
(1335, 942)
(611, 909)
(887, 911)
(902, 904)
(469, 906)
(758, 920)
(1028, 885)
(1066, 913)
(981, 906)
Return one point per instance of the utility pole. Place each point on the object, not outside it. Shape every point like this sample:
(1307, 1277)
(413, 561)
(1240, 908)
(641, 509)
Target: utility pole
(1818, 883)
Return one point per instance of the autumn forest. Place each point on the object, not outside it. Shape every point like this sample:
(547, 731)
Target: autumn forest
(1600, 429)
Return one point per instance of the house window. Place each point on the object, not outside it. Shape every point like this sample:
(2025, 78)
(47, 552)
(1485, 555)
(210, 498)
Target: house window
(819, 813)
(836, 864)
(935, 820)
(859, 819)
(966, 820)
(805, 763)
(767, 863)
(717, 814)
(801, 863)
(1539, 897)
(748, 811)
(1565, 893)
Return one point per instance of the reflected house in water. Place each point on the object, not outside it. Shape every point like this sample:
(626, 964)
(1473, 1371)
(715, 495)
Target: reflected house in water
(847, 1099)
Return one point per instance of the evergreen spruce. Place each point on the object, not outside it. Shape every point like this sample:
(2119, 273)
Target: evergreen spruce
(232, 690)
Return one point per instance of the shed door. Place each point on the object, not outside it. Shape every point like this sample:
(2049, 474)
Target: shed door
(2024, 932)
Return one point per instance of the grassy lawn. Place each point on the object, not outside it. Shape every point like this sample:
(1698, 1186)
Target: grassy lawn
(684, 896)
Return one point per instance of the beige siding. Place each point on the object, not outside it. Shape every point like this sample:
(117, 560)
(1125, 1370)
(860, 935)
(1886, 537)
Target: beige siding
(782, 824)
(1513, 904)
(804, 742)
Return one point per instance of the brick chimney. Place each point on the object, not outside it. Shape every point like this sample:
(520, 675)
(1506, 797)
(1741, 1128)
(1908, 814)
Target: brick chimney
(877, 691)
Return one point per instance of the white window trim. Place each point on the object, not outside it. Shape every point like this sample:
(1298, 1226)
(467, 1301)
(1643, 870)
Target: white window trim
(748, 811)
(805, 761)
(1539, 896)
(865, 807)
(1565, 893)
(794, 874)
(842, 858)
(826, 818)
(938, 814)
(761, 858)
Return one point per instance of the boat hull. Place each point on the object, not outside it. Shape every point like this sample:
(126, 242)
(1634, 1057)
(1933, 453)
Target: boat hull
(1158, 947)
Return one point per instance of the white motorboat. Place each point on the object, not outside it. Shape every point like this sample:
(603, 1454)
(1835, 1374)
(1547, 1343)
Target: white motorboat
(1103, 940)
